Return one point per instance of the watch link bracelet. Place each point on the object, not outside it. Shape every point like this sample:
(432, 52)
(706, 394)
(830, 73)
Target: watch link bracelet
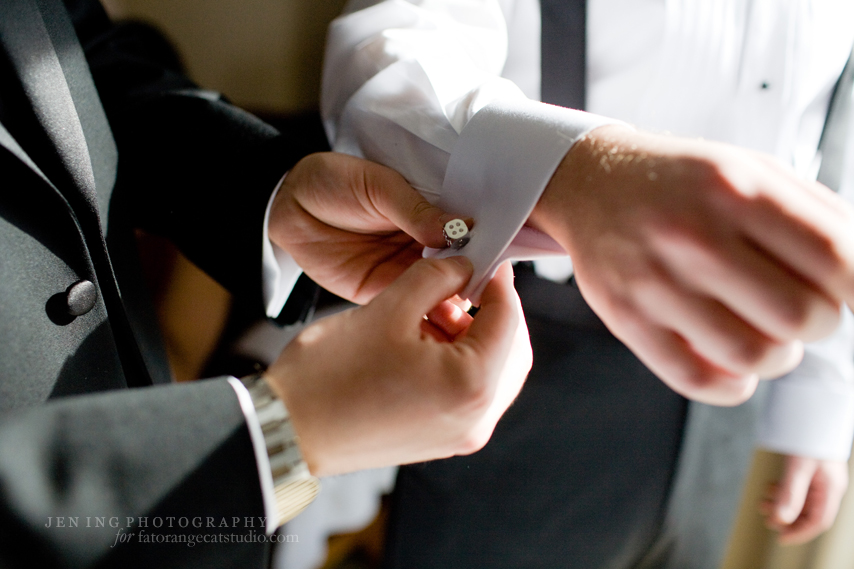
(294, 486)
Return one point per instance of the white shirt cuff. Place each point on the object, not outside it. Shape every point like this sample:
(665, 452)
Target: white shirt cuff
(801, 420)
(810, 411)
(499, 167)
(279, 270)
(259, 445)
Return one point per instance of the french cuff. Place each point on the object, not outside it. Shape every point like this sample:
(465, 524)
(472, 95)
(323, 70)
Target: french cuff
(287, 486)
(499, 167)
(808, 416)
(279, 271)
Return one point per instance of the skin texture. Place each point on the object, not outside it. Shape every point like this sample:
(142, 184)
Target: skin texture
(379, 385)
(410, 376)
(352, 225)
(713, 264)
(805, 501)
(712, 288)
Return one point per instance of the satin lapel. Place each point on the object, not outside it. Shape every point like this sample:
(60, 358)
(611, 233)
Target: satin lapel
(10, 144)
(32, 32)
(96, 129)
(41, 58)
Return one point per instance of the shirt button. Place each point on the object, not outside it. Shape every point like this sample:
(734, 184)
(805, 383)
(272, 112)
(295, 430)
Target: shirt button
(80, 298)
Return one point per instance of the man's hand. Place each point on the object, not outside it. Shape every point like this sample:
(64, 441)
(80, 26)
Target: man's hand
(381, 385)
(804, 503)
(710, 262)
(352, 225)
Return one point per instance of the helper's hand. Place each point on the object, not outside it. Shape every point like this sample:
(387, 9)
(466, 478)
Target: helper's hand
(805, 501)
(381, 385)
(352, 225)
(710, 262)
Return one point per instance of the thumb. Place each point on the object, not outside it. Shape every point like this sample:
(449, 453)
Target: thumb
(407, 209)
(423, 286)
(493, 329)
(793, 488)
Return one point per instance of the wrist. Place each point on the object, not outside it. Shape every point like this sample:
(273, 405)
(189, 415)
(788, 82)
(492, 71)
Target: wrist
(560, 208)
(557, 210)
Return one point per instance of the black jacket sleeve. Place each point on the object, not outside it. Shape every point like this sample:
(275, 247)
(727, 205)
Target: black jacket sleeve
(158, 477)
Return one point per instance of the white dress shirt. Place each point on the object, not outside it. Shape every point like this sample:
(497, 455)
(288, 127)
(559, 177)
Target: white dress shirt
(445, 92)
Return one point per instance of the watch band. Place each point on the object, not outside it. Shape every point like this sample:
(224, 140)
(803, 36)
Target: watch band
(293, 485)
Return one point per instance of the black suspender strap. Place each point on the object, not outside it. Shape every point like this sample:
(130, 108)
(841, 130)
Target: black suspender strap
(564, 52)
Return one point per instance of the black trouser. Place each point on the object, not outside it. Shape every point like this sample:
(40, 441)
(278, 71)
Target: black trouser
(578, 471)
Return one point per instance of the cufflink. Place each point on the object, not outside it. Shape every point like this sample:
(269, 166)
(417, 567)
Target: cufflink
(456, 234)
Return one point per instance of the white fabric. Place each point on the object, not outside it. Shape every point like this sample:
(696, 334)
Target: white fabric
(803, 412)
(497, 237)
(406, 83)
(279, 270)
(259, 446)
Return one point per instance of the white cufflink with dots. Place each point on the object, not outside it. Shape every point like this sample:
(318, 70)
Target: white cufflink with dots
(456, 233)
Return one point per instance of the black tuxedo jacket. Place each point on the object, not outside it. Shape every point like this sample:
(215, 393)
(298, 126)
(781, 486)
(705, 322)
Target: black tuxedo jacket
(96, 140)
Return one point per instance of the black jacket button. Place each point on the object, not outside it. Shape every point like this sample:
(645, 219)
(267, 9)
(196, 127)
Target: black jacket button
(80, 298)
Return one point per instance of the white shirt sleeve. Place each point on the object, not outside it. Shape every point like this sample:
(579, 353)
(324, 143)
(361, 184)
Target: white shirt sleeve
(279, 270)
(417, 86)
(810, 411)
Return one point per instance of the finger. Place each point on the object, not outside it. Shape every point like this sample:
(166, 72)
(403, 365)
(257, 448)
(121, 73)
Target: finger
(714, 332)
(430, 329)
(808, 526)
(449, 318)
(744, 279)
(422, 287)
(809, 229)
(493, 330)
(520, 359)
(515, 370)
(674, 361)
(835, 206)
(509, 353)
(811, 521)
(465, 305)
(766, 504)
(395, 199)
(792, 489)
(822, 503)
(385, 270)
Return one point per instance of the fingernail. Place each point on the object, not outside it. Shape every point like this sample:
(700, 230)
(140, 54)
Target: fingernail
(463, 262)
